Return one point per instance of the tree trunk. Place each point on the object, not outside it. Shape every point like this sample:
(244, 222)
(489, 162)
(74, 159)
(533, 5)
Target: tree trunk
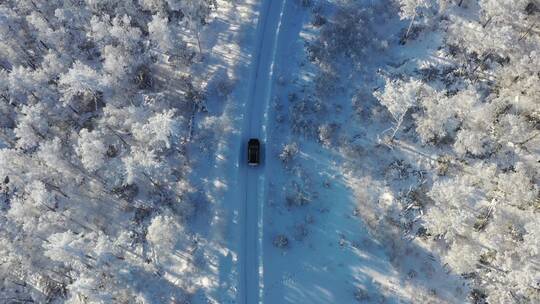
(410, 26)
(198, 40)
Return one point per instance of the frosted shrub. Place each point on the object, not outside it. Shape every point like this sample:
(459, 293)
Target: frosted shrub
(297, 195)
(281, 241)
(301, 121)
(326, 134)
(288, 152)
(300, 232)
(361, 295)
(325, 83)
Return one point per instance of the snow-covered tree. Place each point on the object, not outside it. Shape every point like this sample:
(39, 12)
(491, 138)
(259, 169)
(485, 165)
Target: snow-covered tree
(81, 87)
(32, 126)
(160, 33)
(196, 12)
(159, 131)
(410, 8)
(91, 149)
(398, 97)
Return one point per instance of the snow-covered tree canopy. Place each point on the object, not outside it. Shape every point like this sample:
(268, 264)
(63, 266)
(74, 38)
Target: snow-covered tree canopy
(475, 115)
(92, 146)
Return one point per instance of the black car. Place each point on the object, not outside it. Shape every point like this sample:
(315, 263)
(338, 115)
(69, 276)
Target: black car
(254, 152)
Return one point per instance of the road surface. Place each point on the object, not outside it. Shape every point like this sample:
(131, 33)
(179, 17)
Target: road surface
(253, 178)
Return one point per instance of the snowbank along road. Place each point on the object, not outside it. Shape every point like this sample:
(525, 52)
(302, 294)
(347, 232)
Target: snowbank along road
(253, 179)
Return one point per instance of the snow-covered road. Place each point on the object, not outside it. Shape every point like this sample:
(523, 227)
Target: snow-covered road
(253, 178)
